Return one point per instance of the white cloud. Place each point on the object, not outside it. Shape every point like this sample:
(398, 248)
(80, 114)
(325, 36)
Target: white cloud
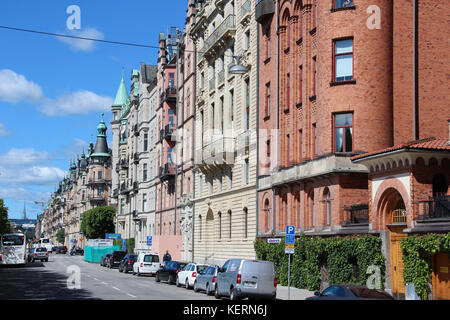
(82, 45)
(21, 157)
(15, 88)
(3, 131)
(21, 194)
(31, 175)
(77, 103)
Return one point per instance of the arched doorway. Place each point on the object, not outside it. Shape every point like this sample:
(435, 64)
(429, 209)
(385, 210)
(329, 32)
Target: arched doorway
(393, 210)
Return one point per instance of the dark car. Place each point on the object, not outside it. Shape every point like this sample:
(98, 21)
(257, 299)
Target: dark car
(76, 251)
(61, 249)
(54, 248)
(126, 264)
(115, 258)
(104, 259)
(350, 292)
(169, 271)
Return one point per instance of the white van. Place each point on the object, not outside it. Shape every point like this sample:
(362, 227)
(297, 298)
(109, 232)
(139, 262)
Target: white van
(45, 243)
(146, 263)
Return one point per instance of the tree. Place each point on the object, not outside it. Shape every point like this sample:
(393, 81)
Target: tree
(61, 236)
(97, 222)
(5, 226)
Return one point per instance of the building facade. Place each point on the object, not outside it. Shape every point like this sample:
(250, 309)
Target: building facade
(225, 132)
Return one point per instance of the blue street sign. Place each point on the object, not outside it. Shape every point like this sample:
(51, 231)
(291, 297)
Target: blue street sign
(113, 236)
(149, 241)
(290, 235)
(124, 246)
(290, 230)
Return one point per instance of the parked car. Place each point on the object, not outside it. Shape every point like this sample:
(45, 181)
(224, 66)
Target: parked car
(350, 292)
(146, 263)
(54, 248)
(169, 271)
(187, 276)
(40, 254)
(241, 278)
(76, 251)
(115, 258)
(104, 259)
(61, 249)
(126, 264)
(206, 280)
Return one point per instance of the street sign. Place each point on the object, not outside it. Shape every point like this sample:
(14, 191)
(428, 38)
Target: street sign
(290, 230)
(124, 245)
(149, 241)
(113, 236)
(273, 240)
(289, 248)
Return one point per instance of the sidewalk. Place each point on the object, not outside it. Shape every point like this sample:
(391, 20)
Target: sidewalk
(296, 294)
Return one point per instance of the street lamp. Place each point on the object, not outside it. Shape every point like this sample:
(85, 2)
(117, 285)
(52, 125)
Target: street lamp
(237, 68)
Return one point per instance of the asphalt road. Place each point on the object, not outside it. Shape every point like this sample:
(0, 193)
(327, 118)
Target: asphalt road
(48, 280)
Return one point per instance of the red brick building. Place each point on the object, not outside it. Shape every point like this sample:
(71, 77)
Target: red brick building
(337, 81)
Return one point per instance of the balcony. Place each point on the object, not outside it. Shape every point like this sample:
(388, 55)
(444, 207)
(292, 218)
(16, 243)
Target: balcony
(124, 163)
(169, 132)
(356, 215)
(170, 94)
(136, 129)
(264, 9)
(167, 171)
(115, 193)
(224, 148)
(225, 31)
(97, 198)
(136, 158)
(246, 10)
(435, 209)
(97, 181)
(124, 188)
(135, 186)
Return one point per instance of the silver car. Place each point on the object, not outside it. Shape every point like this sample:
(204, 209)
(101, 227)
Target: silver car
(239, 278)
(39, 254)
(206, 280)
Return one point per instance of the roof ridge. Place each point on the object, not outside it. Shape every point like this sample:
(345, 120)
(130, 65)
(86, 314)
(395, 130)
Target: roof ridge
(413, 142)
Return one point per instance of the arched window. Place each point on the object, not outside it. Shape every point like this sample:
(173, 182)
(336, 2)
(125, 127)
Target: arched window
(229, 221)
(311, 208)
(245, 222)
(266, 214)
(220, 224)
(200, 227)
(327, 199)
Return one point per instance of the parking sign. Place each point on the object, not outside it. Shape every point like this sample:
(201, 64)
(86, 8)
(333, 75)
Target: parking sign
(290, 239)
(149, 241)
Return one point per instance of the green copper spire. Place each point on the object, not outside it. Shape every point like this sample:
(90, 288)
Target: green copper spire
(122, 94)
(101, 128)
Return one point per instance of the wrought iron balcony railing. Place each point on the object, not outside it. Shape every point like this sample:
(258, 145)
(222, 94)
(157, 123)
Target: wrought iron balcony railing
(356, 215)
(435, 209)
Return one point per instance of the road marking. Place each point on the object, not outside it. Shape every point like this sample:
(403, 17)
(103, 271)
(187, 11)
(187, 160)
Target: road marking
(104, 283)
(96, 279)
(131, 295)
(116, 288)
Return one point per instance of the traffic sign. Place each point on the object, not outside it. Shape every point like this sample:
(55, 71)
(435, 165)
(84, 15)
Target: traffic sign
(273, 240)
(124, 245)
(113, 236)
(149, 241)
(290, 230)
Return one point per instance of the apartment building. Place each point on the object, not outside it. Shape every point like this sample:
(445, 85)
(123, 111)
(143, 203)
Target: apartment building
(225, 132)
(337, 95)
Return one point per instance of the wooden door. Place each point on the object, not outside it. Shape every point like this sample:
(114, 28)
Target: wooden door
(441, 281)
(397, 282)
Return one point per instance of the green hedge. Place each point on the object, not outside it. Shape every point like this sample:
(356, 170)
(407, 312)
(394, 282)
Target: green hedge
(129, 244)
(346, 259)
(417, 252)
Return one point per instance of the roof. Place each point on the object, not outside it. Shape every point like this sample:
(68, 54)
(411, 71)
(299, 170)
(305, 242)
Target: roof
(428, 144)
(122, 94)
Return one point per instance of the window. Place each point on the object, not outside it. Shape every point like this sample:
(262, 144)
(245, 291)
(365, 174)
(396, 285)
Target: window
(232, 109)
(122, 206)
(212, 117)
(220, 224)
(145, 141)
(220, 180)
(343, 132)
(210, 183)
(245, 222)
(202, 80)
(300, 141)
(200, 226)
(144, 172)
(315, 76)
(230, 223)
(343, 60)
(288, 91)
(99, 191)
(200, 185)
(144, 202)
(343, 4)
(315, 14)
(268, 152)
(230, 178)
(246, 173)
(99, 175)
(268, 44)
(221, 115)
(300, 84)
(247, 40)
(328, 207)
(314, 139)
(268, 99)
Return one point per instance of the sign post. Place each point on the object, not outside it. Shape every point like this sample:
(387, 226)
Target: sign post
(289, 249)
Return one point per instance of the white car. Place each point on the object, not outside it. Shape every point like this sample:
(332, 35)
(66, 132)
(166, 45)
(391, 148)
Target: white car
(146, 263)
(187, 276)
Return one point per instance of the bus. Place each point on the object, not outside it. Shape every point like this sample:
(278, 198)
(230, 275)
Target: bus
(45, 243)
(13, 249)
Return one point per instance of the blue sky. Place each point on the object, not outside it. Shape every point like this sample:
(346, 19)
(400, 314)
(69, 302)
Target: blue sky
(53, 91)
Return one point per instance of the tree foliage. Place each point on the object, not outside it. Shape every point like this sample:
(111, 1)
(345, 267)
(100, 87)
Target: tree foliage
(61, 236)
(97, 222)
(5, 226)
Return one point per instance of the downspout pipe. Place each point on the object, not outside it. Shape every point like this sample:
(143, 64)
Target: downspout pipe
(416, 69)
(276, 113)
(257, 127)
